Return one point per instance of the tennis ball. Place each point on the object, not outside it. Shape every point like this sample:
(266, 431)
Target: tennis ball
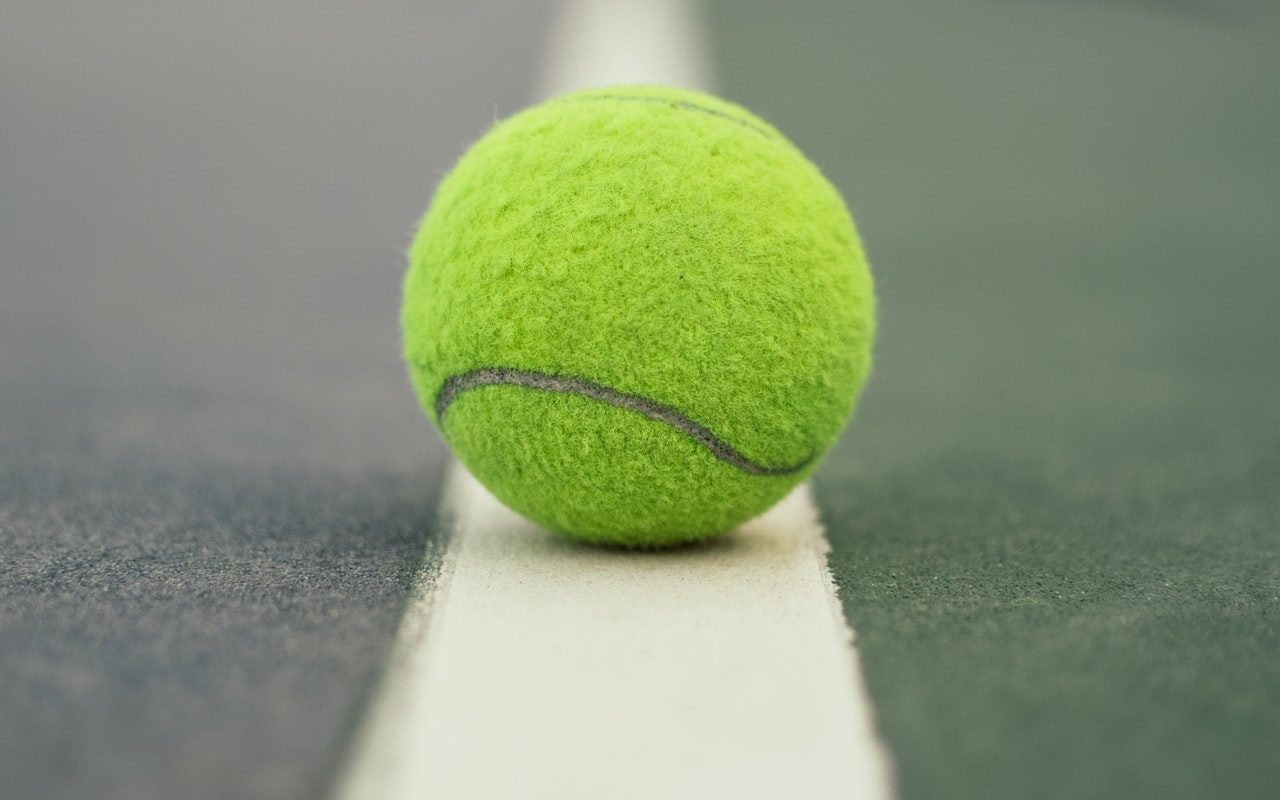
(637, 314)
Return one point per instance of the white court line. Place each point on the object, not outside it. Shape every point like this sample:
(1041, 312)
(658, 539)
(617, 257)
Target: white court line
(542, 668)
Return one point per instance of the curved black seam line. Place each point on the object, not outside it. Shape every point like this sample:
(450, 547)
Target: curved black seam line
(680, 104)
(531, 379)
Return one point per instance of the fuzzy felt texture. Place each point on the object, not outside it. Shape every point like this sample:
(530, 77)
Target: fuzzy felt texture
(671, 280)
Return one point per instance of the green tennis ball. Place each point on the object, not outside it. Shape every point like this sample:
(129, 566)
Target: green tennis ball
(638, 314)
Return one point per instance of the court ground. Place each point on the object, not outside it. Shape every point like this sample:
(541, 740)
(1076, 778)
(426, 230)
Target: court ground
(235, 561)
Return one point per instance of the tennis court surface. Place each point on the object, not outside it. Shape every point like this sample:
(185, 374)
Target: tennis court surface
(1043, 561)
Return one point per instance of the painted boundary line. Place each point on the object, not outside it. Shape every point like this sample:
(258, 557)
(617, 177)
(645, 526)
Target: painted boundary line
(530, 666)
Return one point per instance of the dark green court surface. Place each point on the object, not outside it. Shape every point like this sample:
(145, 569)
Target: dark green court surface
(215, 484)
(1056, 520)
